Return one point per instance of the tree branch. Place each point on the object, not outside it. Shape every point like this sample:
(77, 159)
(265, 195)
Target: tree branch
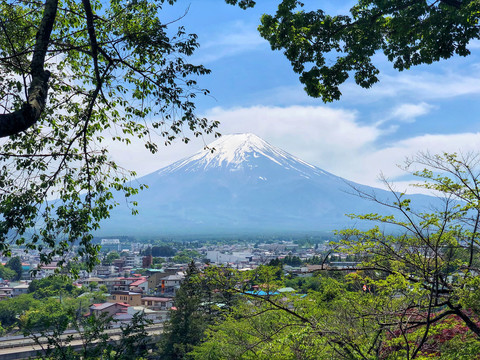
(32, 109)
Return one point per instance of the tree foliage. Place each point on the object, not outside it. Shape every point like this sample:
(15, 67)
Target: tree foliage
(327, 49)
(413, 296)
(15, 264)
(110, 257)
(160, 251)
(203, 299)
(52, 286)
(12, 309)
(432, 266)
(7, 273)
(321, 325)
(189, 319)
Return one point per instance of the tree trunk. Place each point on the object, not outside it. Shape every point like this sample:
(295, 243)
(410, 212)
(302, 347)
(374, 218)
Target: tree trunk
(32, 109)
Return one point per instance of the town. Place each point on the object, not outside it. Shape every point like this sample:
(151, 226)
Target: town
(133, 280)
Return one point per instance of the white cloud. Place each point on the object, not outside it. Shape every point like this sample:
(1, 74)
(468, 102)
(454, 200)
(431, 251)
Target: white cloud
(336, 141)
(409, 112)
(366, 166)
(237, 39)
(332, 139)
(442, 84)
(317, 134)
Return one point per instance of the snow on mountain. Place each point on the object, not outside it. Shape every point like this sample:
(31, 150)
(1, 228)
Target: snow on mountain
(241, 152)
(240, 184)
(235, 152)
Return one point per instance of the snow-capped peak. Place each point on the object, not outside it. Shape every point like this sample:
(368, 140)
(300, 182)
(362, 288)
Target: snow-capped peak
(235, 151)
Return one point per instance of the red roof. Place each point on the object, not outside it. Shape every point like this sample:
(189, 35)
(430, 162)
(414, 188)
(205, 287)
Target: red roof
(138, 282)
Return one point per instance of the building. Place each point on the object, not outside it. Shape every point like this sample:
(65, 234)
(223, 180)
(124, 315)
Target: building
(110, 245)
(19, 289)
(170, 284)
(105, 271)
(5, 293)
(108, 308)
(133, 261)
(129, 283)
(147, 261)
(119, 264)
(155, 277)
(139, 285)
(150, 314)
(157, 303)
(126, 297)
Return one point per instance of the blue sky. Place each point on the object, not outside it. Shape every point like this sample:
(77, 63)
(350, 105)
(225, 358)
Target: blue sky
(431, 108)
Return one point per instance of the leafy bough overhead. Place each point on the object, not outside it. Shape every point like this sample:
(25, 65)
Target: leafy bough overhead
(325, 50)
(75, 75)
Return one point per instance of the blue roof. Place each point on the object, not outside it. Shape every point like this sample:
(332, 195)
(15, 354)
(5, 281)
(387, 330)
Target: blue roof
(261, 293)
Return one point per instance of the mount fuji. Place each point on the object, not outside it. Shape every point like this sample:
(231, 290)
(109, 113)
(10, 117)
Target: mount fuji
(237, 185)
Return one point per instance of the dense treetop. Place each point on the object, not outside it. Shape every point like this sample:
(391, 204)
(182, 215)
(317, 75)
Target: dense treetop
(327, 49)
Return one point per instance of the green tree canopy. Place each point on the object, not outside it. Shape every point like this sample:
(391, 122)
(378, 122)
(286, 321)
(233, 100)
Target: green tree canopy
(15, 264)
(327, 49)
(7, 273)
(188, 320)
(52, 286)
(111, 256)
(12, 309)
(413, 296)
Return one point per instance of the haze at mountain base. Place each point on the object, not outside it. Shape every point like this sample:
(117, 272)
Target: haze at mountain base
(241, 184)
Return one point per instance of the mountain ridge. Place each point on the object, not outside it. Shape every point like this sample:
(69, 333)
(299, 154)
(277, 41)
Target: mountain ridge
(232, 150)
(245, 185)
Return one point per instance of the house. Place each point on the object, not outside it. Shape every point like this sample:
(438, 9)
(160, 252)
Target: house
(127, 297)
(105, 271)
(157, 303)
(5, 293)
(92, 280)
(48, 270)
(110, 283)
(139, 285)
(147, 313)
(20, 289)
(155, 277)
(171, 283)
(125, 283)
(108, 308)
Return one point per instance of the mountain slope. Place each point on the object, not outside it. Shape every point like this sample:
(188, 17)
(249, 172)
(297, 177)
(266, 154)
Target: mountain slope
(240, 184)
